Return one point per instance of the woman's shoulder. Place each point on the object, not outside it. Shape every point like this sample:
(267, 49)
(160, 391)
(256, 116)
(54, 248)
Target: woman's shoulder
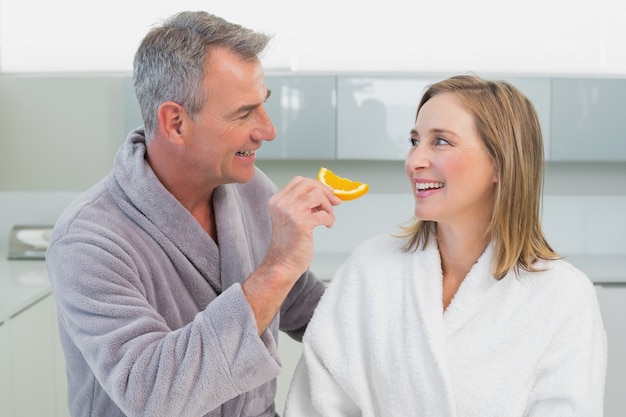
(562, 270)
(561, 279)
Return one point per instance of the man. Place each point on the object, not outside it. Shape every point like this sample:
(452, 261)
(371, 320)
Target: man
(171, 275)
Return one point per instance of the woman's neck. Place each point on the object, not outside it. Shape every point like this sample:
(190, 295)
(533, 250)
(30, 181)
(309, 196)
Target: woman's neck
(459, 251)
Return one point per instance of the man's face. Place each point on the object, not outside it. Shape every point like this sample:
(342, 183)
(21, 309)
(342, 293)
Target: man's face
(221, 143)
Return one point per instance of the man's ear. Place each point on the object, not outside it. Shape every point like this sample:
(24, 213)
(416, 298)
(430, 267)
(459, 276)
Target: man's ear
(170, 119)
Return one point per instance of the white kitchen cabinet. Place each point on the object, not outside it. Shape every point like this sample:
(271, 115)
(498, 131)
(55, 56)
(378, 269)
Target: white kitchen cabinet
(303, 109)
(6, 393)
(361, 117)
(132, 112)
(539, 92)
(613, 307)
(588, 119)
(375, 116)
(60, 382)
(290, 352)
(32, 358)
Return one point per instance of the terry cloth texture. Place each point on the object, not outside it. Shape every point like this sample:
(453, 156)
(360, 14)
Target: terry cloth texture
(380, 343)
(152, 316)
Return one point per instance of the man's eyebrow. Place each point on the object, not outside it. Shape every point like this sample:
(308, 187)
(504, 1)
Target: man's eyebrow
(249, 107)
(246, 108)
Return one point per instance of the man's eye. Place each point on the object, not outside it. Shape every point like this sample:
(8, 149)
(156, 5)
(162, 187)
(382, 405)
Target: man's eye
(246, 115)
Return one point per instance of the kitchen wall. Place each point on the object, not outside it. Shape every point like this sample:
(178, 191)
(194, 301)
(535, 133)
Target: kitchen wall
(59, 133)
(584, 208)
(62, 118)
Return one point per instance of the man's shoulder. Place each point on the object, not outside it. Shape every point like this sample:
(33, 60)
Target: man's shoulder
(94, 205)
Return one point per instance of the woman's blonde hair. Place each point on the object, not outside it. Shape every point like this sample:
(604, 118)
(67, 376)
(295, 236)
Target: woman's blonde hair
(509, 127)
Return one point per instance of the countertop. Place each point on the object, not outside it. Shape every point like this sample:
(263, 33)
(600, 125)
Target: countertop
(601, 269)
(23, 282)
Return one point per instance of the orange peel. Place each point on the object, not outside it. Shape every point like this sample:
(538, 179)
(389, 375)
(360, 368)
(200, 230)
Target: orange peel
(343, 188)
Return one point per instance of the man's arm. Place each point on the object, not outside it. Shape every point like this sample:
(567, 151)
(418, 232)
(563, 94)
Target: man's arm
(295, 211)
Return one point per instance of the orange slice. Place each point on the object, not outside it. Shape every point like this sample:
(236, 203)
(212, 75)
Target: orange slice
(343, 188)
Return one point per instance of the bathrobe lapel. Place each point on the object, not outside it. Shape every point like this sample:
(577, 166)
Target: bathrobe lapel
(424, 286)
(172, 223)
(242, 218)
(235, 257)
(475, 291)
(426, 292)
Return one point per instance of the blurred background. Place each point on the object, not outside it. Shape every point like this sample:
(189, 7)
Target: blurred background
(346, 78)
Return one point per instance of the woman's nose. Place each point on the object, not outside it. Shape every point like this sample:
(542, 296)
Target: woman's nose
(417, 158)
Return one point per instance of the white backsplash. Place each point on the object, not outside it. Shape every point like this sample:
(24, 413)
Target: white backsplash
(358, 220)
(30, 208)
(573, 224)
(585, 225)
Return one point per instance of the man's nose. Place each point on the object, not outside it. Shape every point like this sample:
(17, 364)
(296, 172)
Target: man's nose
(265, 129)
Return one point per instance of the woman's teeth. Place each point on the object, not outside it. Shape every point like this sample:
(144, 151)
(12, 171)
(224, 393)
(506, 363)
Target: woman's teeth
(245, 153)
(421, 186)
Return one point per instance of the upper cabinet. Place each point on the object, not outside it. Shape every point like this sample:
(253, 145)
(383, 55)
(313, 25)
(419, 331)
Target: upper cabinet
(538, 90)
(588, 119)
(375, 116)
(360, 117)
(303, 109)
(369, 117)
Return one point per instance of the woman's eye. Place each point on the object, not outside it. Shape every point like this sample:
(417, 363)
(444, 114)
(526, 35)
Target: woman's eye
(414, 142)
(441, 141)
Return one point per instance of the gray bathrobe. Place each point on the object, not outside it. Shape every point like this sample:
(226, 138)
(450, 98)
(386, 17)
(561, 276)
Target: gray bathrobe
(152, 316)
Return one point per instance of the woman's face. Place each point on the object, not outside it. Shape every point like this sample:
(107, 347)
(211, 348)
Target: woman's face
(452, 176)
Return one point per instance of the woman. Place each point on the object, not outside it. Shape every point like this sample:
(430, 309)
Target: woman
(469, 312)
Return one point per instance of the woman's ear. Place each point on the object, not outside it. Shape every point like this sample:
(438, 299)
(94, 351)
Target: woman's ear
(170, 120)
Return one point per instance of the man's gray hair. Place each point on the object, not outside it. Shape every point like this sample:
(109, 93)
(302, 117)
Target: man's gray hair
(169, 63)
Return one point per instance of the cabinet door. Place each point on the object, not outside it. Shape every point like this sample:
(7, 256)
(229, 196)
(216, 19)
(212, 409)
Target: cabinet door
(538, 90)
(290, 352)
(6, 393)
(303, 109)
(613, 306)
(132, 112)
(375, 116)
(588, 119)
(32, 358)
(60, 382)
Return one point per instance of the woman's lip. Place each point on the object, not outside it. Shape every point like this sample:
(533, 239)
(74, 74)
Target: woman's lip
(423, 185)
(426, 188)
(426, 193)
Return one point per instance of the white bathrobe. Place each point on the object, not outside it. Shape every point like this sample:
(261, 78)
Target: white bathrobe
(380, 343)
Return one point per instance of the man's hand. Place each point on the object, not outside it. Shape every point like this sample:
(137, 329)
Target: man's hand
(298, 208)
